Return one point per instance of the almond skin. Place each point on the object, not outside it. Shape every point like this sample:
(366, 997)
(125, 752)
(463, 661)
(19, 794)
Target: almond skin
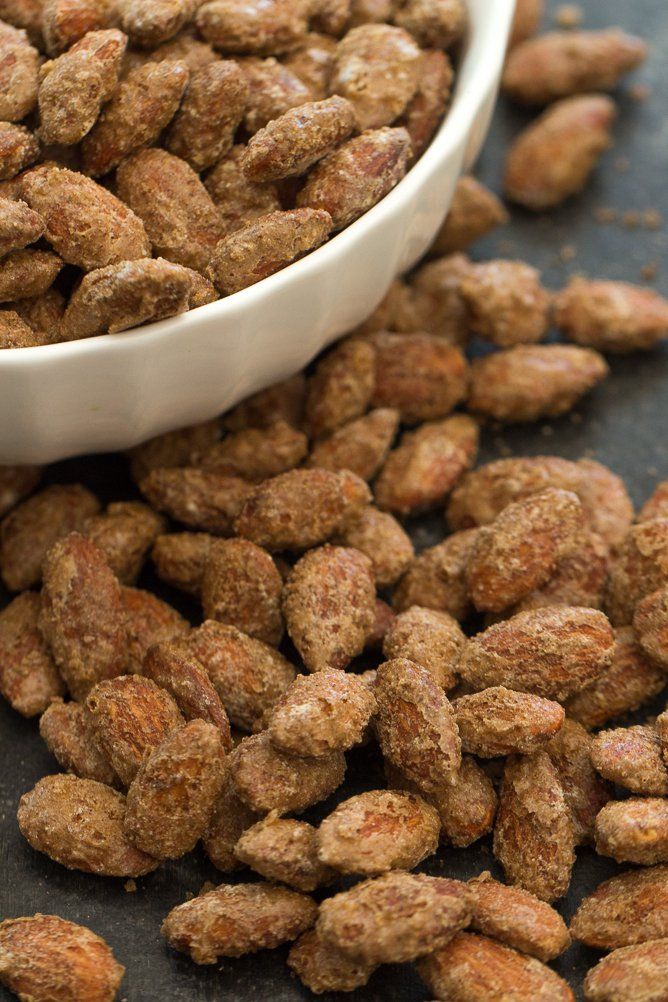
(498, 721)
(29, 679)
(634, 830)
(518, 919)
(322, 968)
(45, 957)
(633, 972)
(585, 792)
(631, 757)
(284, 851)
(624, 910)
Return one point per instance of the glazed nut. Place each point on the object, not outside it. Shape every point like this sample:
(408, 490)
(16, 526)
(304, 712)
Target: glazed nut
(162, 21)
(474, 211)
(175, 448)
(623, 911)
(429, 638)
(322, 968)
(380, 537)
(18, 149)
(200, 499)
(66, 731)
(631, 757)
(585, 792)
(15, 483)
(650, 622)
(640, 567)
(29, 679)
(229, 819)
(421, 376)
(242, 587)
(285, 851)
(634, 830)
(234, 27)
(125, 533)
(64, 22)
(148, 621)
(638, 971)
(361, 446)
(257, 453)
(614, 317)
(274, 89)
(506, 302)
(436, 578)
(340, 389)
(498, 721)
(429, 104)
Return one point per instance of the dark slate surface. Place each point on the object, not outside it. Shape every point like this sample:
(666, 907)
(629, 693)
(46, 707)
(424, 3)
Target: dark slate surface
(624, 425)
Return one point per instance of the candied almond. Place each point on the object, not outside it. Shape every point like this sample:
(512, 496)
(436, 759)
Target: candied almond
(499, 721)
(201, 499)
(19, 226)
(361, 446)
(274, 89)
(237, 199)
(65, 729)
(231, 921)
(341, 387)
(29, 679)
(18, 149)
(533, 834)
(631, 757)
(381, 538)
(284, 851)
(19, 73)
(395, 918)
(269, 780)
(174, 448)
(627, 909)
(527, 19)
(506, 302)
(312, 60)
(614, 317)
(377, 831)
(578, 579)
(350, 181)
(64, 22)
(554, 156)
(585, 792)
(148, 621)
(329, 606)
(125, 532)
(233, 26)
(322, 968)
(242, 587)
(79, 824)
(44, 956)
(656, 506)
(634, 830)
(15, 483)
(427, 107)
(436, 578)
(320, 714)
(256, 453)
(162, 20)
(429, 638)
(180, 558)
(474, 211)
(640, 567)
(517, 918)
(229, 819)
(632, 972)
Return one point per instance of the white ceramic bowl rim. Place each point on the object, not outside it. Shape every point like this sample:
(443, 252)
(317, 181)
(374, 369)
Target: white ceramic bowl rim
(451, 133)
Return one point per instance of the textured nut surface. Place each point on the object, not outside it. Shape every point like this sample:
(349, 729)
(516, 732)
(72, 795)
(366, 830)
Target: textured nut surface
(65, 729)
(521, 549)
(148, 621)
(82, 617)
(19, 226)
(171, 799)
(553, 158)
(637, 972)
(622, 911)
(321, 713)
(341, 387)
(473, 968)
(436, 578)
(640, 567)
(15, 483)
(416, 725)
(634, 830)
(79, 824)
(429, 638)
(257, 453)
(44, 956)
(274, 89)
(125, 533)
(578, 579)
(380, 537)
(233, 27)
(517, 918)
(19, 74)
(395, 918)
(200, 499)
(377, 831)
(650, 622)
(534, 837)
(506, 302)
(180, 558)
(631, 757)
(29, 679)
(498, 721)
(361, 446)
(248, 675)
(268, 780)
(284, 851)
(551, 652)
(614, 317)
(474, 211)
(428, 106)
(421, 376)
(321, 968)
(129, 717)
(233, 920)
(585, 792)
(242, 587)
(329, 604)
(237, 199)
(174, 448)
(18, 149)
(230, 818)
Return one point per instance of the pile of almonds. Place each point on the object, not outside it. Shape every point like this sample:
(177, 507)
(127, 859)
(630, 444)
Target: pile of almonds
(484, 670)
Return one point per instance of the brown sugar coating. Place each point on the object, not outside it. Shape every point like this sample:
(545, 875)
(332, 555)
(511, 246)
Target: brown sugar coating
(200, 499)
(265, 246)
(15, 483)
(440, 23)
(329, 606)
(180, 558)
(426, 465)
(498, 721)
(428, 106)
(242, 587)
(631, 680)
(475, 210)
(473, 968)
(269, 780)
(631, 757)
(231, 921)
(533, 836)
(161, 21)
(274, 89)
(341, 387)
(382, 539)
(171, 799)
(554, 156)
(650, 622)
(19, 226)
(79, 824)
(301, 508)
(585, 792)
(44, 956)
(248, 675)
(148, 621)
(19, 74)
(517, 918)
(14, 333)
(173, 668)
(64, 22)
(284, 851)
(257, 453)
(429, 638)
(282, 401)
(421, 376)
(361, 446)
(529, 382)
(29, 679)
(289, 145)
(321, 968)
(521, 549)
(656, 505)
(436, 577)
(560, 64)
(18, 149)
(640, 568)
(175, 448)
(553, 652)
(627, 909)
(614, 317)
(312, 61)
(230, 818)
(578, 579)
(271, 28)
(395, 918)
(637, 972)
(129, 717)
(30, 271)
(322, 713)
(125, 533)
(378, 831)
(65, 729)
(416, 725)
(507, 303)
(111, 234)
(237, 199)
(43, 314)
(634, 830)
(177, 211)
(376, 68)
(350, 181)
(81, 617)
(142, 106)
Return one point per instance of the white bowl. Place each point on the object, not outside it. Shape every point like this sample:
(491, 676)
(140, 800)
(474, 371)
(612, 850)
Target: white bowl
(112, 392)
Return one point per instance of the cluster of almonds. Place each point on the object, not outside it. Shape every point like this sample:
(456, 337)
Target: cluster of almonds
(170, 152)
